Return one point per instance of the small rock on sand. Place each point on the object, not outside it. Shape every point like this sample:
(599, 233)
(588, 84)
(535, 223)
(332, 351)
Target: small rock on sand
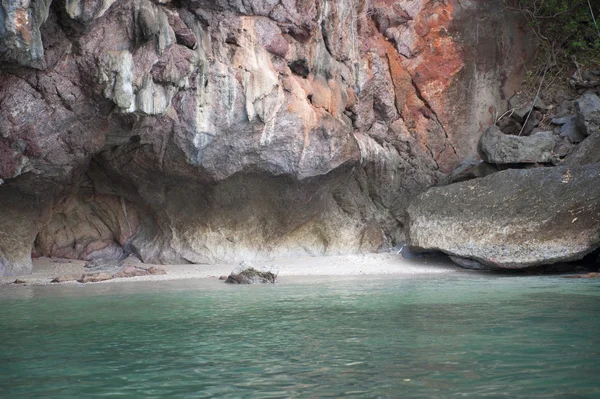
(19, 281)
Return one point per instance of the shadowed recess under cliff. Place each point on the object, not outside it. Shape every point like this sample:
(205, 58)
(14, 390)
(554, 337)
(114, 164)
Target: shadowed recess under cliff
(197, 131)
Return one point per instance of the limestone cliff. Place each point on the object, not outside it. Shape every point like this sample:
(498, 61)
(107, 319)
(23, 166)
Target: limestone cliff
(201, 131)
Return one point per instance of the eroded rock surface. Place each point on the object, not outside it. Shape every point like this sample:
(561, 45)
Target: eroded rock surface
(206, 131)
(498, 148)
(512, 219)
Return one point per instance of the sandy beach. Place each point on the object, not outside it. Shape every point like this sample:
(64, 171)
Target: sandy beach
(45, 269)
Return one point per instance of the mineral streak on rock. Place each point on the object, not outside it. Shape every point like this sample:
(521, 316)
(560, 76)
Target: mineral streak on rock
(206, 131)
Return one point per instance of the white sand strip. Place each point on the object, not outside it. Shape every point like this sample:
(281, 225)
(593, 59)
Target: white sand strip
(45, 269)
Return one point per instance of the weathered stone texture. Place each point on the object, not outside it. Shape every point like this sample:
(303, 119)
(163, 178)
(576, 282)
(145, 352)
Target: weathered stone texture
(512, 219)
(205, 131)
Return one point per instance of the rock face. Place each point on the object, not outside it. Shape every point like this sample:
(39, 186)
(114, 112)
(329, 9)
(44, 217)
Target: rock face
(512, 219)
(206, 131)
(20, 32)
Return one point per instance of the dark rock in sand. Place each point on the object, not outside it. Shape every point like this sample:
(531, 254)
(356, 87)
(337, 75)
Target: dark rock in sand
(246, 273)
(512, 219)
(499, 148)
(19, 281)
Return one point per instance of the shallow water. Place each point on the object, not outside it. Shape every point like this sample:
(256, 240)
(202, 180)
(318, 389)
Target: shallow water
(431, 337)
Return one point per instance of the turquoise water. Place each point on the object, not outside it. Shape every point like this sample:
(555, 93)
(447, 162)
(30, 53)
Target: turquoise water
(431, 337)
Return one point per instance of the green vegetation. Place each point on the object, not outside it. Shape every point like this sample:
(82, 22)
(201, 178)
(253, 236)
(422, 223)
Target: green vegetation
(566, 28)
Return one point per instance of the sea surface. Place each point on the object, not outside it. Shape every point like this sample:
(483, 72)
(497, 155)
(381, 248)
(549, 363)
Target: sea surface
(445, 336)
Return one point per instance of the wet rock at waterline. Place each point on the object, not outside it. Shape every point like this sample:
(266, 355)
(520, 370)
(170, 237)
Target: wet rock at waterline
(247, 273)
(512, 219)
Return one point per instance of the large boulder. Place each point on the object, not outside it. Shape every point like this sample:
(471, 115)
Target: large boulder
(512, 219)
(499, 148)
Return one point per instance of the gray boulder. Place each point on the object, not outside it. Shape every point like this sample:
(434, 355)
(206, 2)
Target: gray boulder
(588, 113)
(588, 152)
(499, 148)
(513, 219)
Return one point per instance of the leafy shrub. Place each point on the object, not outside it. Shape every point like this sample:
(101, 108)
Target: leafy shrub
(566, 27)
